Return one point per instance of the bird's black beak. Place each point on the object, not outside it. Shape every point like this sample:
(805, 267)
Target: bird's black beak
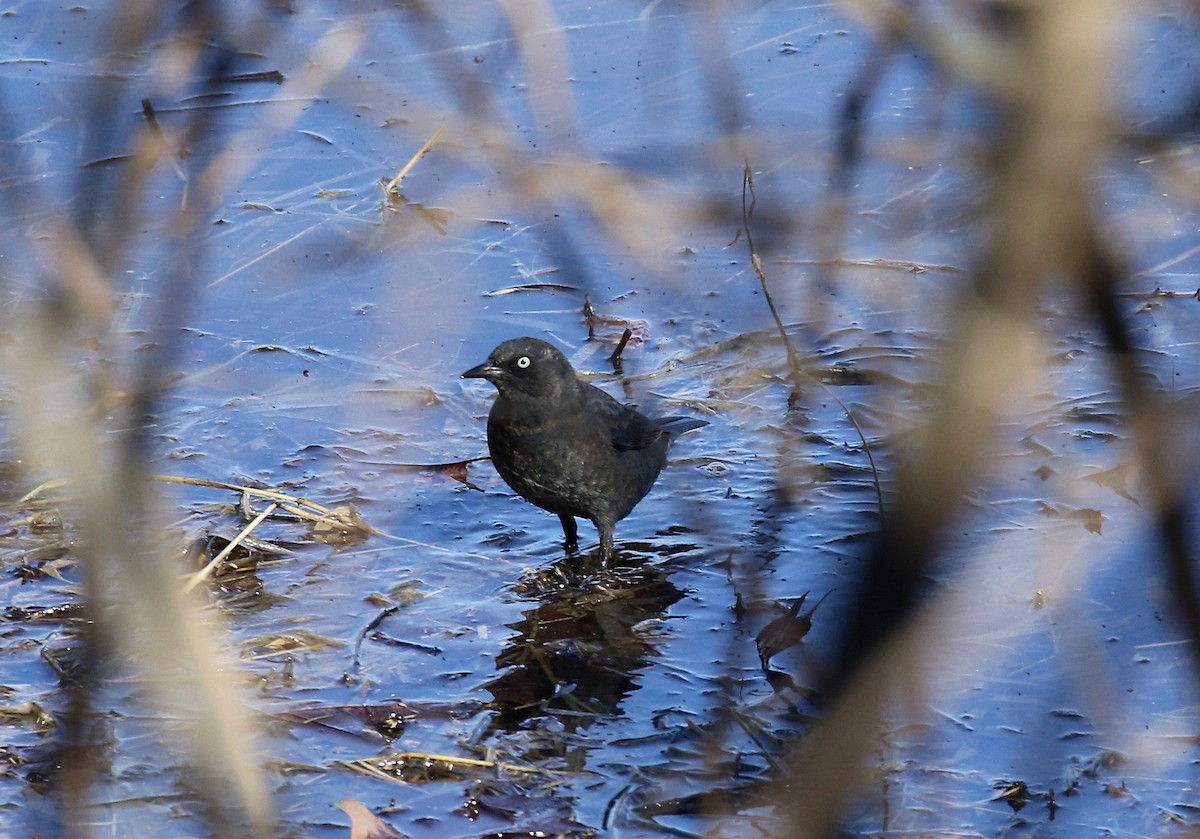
(487, 370)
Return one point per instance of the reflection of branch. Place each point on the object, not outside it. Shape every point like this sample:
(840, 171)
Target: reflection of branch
(1151, 438)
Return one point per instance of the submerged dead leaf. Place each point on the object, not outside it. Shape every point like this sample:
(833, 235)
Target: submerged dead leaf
(342, 527)
(421, 768)
(267, 645)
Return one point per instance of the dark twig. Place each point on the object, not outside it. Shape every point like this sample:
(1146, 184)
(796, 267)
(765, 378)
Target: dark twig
(589, 316)
(794, 366)
(747, 212)
(615, 358)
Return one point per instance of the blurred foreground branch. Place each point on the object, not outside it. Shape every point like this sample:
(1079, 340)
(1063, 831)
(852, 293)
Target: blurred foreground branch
(94, 424)
(1058, 119)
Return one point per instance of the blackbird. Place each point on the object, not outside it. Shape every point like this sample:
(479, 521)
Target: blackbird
(567, 446)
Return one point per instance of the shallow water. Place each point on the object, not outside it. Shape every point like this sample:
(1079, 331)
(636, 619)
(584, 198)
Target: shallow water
(322, 352)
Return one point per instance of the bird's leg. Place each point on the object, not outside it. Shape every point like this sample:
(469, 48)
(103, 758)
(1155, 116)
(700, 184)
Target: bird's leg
(570, 532)
(606, 542)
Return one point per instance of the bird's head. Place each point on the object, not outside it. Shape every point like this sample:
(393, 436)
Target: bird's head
(527, 367)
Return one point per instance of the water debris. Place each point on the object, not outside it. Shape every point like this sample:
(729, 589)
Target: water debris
(387, 720)
(515, 289)
(105, 161)
(266, 646)
(787, 630)
(320, 138)
(295, 505)
(456, 470)
(273, 76)
(1091, 518)
(365, 722)
(392, 188)
(1013, 793)
(639, 330)
(27, 713)
(1118, 480)
(615, 358)
(341, 527)
(338, 527)
(363, 823)
(57, 614)
(205, 572)
(422, 768)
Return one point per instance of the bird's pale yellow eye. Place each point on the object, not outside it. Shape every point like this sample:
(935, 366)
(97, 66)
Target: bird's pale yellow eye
(523, 362)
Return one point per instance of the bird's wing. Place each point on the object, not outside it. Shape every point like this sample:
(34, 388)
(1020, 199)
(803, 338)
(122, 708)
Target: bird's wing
(628, 429)
(634, 431)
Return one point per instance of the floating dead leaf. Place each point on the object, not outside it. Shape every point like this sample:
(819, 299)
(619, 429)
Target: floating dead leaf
(639, 330)
(1091, 519)
(1117, 479)
(45, 521)
(787, 630)
(363, 823)
(50, 560)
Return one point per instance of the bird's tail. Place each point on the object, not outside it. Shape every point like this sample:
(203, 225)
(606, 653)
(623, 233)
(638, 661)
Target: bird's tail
(680, 425)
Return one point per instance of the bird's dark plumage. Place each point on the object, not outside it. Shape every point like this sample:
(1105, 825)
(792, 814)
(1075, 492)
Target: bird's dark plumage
(567, 446)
